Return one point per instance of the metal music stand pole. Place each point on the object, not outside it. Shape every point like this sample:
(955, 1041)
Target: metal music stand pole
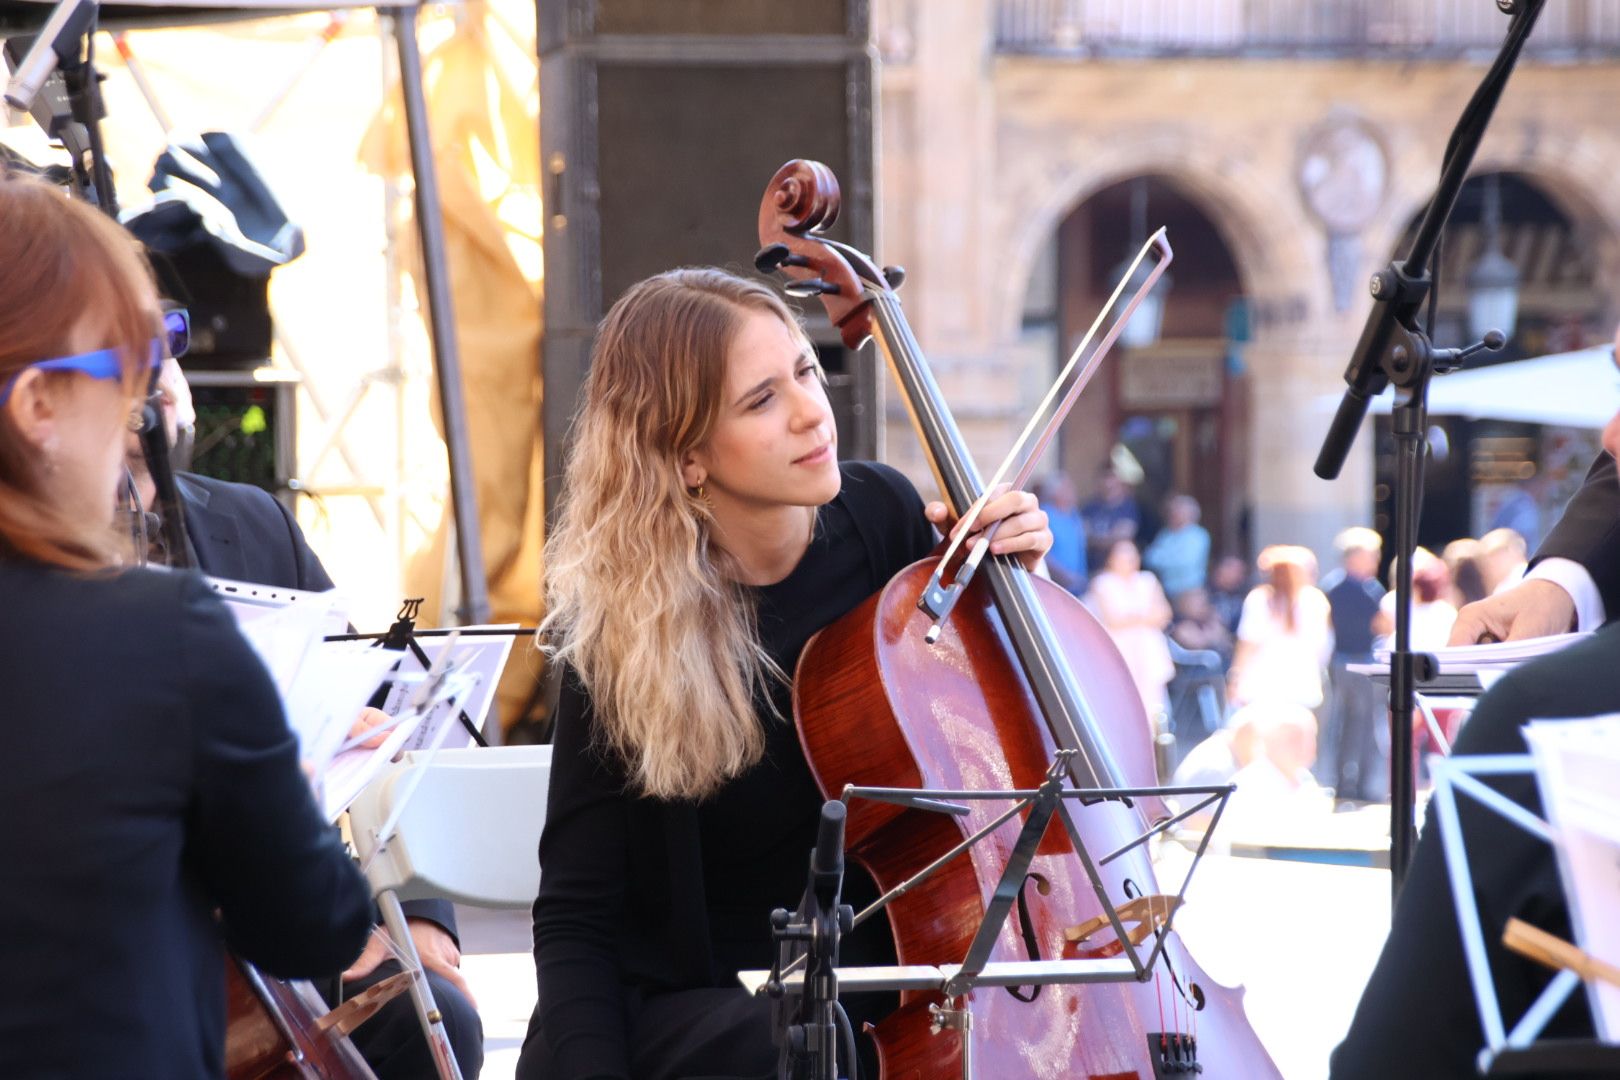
(474, 606)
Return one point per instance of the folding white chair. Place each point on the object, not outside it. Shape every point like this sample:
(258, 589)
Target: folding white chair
(461, 825)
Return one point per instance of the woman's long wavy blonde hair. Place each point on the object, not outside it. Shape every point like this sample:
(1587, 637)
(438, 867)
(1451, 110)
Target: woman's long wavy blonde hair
(640, 603)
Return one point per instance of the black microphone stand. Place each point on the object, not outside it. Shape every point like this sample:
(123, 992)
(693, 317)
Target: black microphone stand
(1395, 350)
(83, 83)
(808, 1028)
(155, 448)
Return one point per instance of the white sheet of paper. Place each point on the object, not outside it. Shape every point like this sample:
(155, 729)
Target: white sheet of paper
(335, 684)
(283, 625)
(323, 685)
(350, 771)
(248, 600)
(1578, 773)
(1495, 655)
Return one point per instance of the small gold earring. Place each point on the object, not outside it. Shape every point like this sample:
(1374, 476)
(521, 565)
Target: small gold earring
(701, 491)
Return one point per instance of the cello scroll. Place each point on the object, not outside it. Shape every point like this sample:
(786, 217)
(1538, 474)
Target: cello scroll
(800, 204)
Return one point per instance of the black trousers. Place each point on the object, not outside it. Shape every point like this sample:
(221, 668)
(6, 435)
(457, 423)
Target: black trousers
(392, 1041)
(724, 1034)
(708, 1034)
(1352, 753)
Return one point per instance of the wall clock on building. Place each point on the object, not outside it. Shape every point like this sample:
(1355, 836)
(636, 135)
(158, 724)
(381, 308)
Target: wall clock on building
(1343, 173)
(1343, 177)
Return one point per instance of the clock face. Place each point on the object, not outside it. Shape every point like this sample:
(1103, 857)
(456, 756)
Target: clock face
(1343, 173)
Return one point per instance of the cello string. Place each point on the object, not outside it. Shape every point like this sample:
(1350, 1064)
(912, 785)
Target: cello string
(1158, 988)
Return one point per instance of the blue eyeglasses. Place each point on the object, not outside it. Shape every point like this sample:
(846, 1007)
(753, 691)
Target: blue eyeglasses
(107, 364)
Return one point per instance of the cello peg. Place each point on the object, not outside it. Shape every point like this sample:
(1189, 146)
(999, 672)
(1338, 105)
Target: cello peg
(895, 276)
(810, 287)
(773, 257)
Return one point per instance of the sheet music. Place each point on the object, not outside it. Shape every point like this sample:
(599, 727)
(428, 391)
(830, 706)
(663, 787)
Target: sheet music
(1578, 772)
(1466, 664)
(283, 625)
(323, 685)
(1495, 655)
(439, 692)
(482, 656)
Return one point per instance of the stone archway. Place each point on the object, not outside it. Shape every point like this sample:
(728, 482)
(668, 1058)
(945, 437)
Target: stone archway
(1487, 472)
(1577, 177)
(1296, 353)
(1274, 245)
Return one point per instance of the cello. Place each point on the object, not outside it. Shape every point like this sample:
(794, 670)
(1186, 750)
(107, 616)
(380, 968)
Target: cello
(280, 1029)
(1021, 672)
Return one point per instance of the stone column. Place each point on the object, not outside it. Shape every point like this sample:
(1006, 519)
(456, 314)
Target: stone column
(937, 134)
(1295, 381)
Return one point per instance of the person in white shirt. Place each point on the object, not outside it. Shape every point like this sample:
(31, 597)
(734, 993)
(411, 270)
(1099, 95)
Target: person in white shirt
(1284, 635)
(1432, 614)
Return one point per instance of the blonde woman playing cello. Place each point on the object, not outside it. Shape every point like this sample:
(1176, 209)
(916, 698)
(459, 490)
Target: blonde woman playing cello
(707, 532)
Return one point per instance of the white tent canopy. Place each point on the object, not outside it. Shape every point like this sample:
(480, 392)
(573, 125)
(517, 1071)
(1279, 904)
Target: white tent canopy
(1575, 389)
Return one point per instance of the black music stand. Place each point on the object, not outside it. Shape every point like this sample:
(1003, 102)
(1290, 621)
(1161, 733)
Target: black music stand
(1040, 805)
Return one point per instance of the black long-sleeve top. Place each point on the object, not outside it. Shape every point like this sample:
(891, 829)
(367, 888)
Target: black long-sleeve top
(151, 779)
(639, 895)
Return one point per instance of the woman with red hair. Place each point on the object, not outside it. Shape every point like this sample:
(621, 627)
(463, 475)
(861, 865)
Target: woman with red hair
(1284, 637)
(155, 804)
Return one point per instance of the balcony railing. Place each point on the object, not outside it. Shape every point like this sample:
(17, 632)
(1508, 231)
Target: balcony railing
(1398, 29)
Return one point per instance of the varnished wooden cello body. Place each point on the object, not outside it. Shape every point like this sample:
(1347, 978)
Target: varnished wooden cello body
(279, 1029)
(1021, 671)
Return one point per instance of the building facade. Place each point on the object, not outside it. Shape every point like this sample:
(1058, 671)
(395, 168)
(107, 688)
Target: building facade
(1288, 147)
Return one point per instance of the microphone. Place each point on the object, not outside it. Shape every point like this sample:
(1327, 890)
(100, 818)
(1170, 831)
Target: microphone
(1396, 299)
(57, 41)
(827, 862)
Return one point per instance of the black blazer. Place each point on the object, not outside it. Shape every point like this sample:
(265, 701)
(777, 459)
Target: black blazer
(1589, 532)
(151, 780)
(240, 532)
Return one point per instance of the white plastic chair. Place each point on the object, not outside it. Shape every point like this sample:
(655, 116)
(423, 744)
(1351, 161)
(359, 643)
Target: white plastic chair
(469, 829)
(461, 825)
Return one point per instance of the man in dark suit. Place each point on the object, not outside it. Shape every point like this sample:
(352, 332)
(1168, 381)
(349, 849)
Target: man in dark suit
(1574, 578)
(240, 532)
(1417, 1016)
